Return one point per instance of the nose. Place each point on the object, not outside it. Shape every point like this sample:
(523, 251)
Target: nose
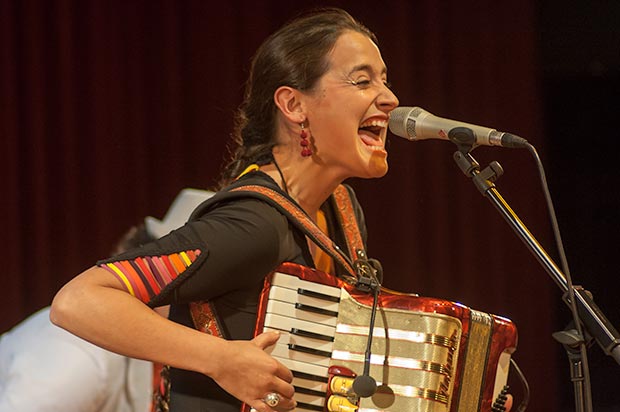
(387, 100)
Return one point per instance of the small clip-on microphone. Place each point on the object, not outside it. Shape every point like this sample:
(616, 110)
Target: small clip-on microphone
(370, 274)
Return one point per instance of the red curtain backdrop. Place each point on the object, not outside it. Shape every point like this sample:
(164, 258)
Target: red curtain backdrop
(108, 109)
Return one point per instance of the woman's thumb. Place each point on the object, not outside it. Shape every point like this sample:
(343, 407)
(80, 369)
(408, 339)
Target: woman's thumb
(266, 339)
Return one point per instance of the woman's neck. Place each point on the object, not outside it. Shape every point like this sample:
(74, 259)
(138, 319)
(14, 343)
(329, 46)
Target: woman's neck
(304, 180)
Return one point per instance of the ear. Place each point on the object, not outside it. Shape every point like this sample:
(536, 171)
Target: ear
(289, 101)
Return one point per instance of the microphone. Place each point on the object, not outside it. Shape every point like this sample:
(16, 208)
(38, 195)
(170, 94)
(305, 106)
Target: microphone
(369, 272)
(415, 123)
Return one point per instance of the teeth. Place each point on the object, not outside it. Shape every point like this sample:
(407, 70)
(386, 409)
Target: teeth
(376, 123)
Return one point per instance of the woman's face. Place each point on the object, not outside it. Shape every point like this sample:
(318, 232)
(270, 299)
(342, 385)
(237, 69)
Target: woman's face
(348, 110)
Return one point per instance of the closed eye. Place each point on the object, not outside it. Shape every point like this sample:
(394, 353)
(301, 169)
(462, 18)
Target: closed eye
(360, 83)
(366, 83)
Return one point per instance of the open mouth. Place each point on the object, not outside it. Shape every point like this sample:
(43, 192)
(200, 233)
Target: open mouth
(370, 132)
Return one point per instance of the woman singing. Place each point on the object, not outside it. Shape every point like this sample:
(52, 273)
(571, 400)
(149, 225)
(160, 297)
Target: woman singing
(315, 113)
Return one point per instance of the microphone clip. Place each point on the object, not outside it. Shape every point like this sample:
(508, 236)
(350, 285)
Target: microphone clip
(368, 273)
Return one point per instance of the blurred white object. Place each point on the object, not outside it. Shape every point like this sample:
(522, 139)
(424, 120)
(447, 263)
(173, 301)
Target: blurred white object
(44, 368)
(178, 213)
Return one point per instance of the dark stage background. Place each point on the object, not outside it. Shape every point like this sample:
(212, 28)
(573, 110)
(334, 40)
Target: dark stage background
(108, 109)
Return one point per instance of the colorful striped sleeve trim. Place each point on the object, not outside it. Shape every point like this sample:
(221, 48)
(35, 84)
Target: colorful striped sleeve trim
(145, 276)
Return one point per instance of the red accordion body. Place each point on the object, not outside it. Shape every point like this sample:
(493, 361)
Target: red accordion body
(427, 354)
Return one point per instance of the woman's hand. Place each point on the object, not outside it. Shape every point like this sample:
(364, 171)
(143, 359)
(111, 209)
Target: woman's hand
(248, 373)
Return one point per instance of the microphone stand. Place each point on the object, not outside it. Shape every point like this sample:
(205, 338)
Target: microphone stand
(597, 326)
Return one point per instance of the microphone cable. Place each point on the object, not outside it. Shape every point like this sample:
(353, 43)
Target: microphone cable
(565, 268)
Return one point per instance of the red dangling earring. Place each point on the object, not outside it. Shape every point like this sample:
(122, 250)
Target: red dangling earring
(304, 143)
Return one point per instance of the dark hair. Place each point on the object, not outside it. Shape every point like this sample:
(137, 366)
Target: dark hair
(295, 56)
(136, 236)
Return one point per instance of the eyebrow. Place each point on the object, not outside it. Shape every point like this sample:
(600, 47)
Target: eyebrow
(367, 68)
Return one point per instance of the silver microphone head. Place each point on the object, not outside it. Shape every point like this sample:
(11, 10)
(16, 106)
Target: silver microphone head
(402, 121)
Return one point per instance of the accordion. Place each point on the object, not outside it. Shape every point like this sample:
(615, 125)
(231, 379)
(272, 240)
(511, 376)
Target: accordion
(427, 354)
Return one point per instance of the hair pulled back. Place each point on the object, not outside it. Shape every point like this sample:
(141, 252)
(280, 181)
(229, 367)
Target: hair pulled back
(294, 56)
